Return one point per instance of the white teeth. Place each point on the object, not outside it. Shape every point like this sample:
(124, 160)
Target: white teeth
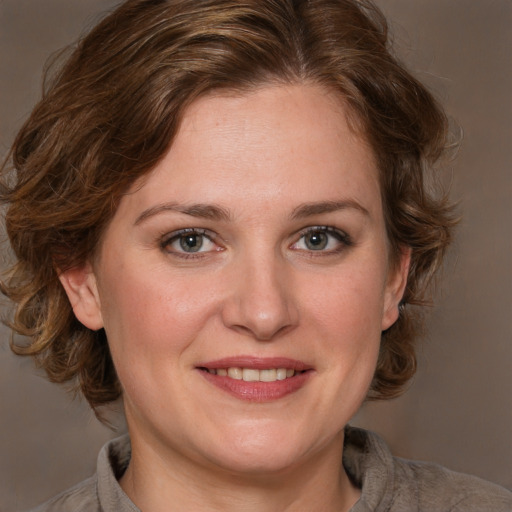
(268, 375)
(250, 375)
(235, 373)
(281, 373)
(253, 375)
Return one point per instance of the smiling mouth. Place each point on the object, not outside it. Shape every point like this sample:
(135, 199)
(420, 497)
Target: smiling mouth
(253, 374)
(257, 379)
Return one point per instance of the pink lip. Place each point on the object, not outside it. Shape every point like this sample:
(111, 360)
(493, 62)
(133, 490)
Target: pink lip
(257, 391)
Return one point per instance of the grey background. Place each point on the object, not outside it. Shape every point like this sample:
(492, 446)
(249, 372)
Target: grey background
(458, 411)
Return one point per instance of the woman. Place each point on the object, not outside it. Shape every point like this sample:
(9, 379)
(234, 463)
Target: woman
(219, 214)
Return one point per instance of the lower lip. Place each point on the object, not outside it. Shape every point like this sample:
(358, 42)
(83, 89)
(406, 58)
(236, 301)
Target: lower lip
(258, 391)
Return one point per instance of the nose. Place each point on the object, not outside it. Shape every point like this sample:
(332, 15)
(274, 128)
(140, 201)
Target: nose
(261, 301)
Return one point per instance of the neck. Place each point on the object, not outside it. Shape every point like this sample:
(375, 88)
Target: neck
(157, 477)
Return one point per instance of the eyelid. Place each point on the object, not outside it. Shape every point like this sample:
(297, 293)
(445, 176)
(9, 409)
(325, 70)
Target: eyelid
(186, 231)
(341, 236)
(325, 229)
(167, 239)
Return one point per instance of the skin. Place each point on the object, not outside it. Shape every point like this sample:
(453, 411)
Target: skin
(259, 287)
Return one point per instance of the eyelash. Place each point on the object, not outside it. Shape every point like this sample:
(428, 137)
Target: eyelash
(343, 241)
(175, 236)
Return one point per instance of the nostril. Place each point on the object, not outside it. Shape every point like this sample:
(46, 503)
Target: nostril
(261, 334)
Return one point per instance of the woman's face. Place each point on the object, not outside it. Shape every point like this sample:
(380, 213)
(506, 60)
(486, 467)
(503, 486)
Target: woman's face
(245, 283)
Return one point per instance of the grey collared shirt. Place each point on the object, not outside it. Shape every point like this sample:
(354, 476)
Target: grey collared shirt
(388, 484)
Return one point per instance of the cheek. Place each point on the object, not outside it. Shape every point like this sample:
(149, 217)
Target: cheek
(347, 315)
(150, 318)
(352, 299)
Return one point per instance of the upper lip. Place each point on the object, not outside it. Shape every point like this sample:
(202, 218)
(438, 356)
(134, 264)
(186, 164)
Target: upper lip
(258, 363)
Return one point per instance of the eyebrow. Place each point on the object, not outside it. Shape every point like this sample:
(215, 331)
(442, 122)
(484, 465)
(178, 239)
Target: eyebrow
(199, 210)
(216, 212)
(310, 209)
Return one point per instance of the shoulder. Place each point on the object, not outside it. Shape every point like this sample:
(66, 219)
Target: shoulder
(83, 497)
(393, 484)
(438, 488)
(102, 492)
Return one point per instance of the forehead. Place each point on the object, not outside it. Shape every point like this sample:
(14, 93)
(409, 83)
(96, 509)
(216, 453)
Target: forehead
(272, 145)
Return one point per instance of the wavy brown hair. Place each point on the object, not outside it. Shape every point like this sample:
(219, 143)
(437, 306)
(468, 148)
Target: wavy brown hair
(111, 112)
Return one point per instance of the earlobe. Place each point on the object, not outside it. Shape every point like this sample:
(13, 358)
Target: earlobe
(82, 291)
(395, 289)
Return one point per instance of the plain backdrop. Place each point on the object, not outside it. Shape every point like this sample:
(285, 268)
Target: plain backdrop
(458, 410)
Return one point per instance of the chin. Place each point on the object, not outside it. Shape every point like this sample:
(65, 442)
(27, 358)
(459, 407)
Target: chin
(263, 450)
(260, 462)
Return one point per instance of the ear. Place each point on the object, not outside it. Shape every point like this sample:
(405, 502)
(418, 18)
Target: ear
(395, 288)
(82, 291)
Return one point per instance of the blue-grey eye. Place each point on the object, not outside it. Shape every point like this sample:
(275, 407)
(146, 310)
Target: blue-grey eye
(322, 239)
(191, 242)
(316, 240)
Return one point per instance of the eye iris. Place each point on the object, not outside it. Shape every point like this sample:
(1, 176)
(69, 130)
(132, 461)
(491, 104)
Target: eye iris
(191, 243)
(316, 241)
